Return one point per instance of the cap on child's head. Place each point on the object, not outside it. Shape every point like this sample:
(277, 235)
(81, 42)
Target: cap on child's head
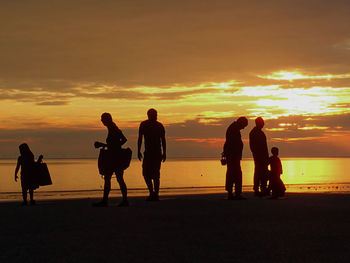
(274, 150)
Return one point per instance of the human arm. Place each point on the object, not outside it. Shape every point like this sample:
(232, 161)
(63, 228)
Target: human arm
(123, 139)
(99, 144)
(251, 141)
(40, 159)
(164, 148)
(280, 166)
(17, 169)
(139, 143)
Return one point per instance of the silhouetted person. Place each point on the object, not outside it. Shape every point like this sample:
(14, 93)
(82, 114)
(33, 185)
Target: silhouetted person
(29, 176)
(277, 185)
(258, 146)
(115, 140)
(233, 148)
(155, 152)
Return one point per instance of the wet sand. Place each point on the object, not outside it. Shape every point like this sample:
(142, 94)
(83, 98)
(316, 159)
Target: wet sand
(186, 228)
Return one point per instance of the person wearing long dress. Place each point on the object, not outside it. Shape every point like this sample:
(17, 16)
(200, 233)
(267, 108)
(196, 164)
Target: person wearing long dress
(29, 176)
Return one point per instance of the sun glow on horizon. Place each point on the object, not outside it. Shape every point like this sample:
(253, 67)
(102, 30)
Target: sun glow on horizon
(207, 105)
(313, 128)
(176, 104)
(297, 75)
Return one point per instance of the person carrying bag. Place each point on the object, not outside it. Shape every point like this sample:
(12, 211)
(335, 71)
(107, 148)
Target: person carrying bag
(112, 160)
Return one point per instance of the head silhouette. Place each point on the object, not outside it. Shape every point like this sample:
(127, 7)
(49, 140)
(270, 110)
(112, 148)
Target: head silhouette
(152, 114)
(106, 119)
(274, 151)
(242, 122)
(24, 150)
(259, 122)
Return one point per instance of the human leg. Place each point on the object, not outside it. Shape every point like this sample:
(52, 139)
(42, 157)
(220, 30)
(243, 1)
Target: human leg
(229, 179)
(264, 179)
(260, 178)
(238, 180)
(256, 179)
(24, 187)
(156, 176)
(149, 183)
(24, 195)
(237, 174)
(106, 190)
(146, 175)
(122, 186)
(31, 194)
(156, 183)
(107, 187)
(151, 173)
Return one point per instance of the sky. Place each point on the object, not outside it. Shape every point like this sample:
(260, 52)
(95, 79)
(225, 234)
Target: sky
(201, 64)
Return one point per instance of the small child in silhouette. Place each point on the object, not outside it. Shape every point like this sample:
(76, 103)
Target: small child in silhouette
(278, 188)
(29, 179)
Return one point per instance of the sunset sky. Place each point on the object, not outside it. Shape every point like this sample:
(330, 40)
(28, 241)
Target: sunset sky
(201, 64)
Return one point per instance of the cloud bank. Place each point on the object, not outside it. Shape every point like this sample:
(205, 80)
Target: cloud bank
(200, 63)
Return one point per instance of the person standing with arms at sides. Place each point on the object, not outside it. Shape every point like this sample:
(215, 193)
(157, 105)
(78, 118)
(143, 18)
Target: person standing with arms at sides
(155, 152)
(258, 146)
(233, 149)
(115, 140)
(29, 179)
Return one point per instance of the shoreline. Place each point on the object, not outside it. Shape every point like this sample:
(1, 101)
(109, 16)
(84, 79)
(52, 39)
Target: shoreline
(331, 188)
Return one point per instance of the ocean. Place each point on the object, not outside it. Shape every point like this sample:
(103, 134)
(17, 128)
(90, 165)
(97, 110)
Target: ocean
(80, 178)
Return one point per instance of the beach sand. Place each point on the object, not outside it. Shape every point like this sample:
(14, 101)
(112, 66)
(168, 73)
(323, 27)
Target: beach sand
(186, 228)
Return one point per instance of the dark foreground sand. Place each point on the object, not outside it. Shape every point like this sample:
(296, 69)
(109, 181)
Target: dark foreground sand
(193, 228)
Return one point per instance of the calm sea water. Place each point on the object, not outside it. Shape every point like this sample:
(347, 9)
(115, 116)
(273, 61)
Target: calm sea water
(79, 177)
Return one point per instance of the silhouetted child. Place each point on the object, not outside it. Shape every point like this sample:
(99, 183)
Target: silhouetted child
(29, 178)
(277, 186)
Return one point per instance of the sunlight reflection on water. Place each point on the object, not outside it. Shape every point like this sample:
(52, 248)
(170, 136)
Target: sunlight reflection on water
(80, 176)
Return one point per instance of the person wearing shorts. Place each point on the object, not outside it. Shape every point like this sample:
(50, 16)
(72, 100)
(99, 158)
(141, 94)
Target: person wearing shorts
(114, 142)
(155, 152)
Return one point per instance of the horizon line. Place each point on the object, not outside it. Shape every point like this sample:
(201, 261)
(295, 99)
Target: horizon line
(185, 157)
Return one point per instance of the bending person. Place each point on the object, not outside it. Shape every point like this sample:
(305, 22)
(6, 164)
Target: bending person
(233, 148)
(155, 152)
(115, 140)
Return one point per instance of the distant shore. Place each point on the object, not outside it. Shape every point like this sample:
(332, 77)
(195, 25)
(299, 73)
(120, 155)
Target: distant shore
(179, 228)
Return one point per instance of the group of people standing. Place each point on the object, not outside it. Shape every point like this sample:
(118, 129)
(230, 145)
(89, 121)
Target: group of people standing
(153, 133)
(233, 149)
